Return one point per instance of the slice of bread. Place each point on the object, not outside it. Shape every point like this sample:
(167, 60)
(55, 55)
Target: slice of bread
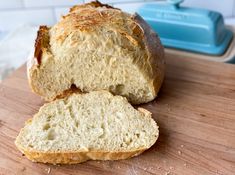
(92, 126)
(97, 47)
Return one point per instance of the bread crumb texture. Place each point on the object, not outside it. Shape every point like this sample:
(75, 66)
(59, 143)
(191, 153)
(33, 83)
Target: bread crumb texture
(96, 125)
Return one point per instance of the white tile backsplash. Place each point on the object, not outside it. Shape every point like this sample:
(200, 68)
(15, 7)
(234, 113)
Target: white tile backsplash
(129, 7)
(51, 3)
(226, 7)
(9, 4)
(15, 48)
(60, 11)
(15, 12)
(14, 18)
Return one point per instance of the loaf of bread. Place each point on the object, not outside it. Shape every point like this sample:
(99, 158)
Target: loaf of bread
(92, 126)
(97, 47)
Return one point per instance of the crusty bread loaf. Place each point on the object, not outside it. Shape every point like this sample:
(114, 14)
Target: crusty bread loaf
(98, 47)
(92, 126)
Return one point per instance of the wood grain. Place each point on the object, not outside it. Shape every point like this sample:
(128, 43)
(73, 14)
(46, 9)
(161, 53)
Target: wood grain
(195, 111)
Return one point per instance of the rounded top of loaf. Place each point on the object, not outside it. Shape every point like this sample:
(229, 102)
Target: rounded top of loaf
(97, 18)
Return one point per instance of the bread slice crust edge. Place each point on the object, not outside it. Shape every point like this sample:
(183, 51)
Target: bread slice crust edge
(78, 156)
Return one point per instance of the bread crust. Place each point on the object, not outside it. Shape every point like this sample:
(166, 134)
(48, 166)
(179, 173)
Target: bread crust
(155, 52)
(92, 4)
(153, 70)
(34, 58)
(76, 157)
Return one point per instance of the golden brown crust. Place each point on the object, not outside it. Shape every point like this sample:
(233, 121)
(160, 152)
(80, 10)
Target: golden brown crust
(35, 57)
(91, 4)
(86, 18)
(145, 112)
(76, 157)
(155, 52)
(68, 92)
(41, 46)
(40, 42)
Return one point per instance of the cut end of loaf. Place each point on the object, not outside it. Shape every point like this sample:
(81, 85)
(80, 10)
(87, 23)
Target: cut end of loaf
(98, 47)
(92, 126)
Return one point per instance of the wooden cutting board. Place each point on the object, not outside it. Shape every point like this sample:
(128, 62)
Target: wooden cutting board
(195, 111)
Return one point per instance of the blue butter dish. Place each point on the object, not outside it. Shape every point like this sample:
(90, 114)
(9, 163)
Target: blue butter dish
(190, 29)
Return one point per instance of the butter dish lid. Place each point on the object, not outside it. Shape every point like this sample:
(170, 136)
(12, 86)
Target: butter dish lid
(191, 29)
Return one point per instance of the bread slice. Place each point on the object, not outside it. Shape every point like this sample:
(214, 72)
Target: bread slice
(92, 126)
(97, 47)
